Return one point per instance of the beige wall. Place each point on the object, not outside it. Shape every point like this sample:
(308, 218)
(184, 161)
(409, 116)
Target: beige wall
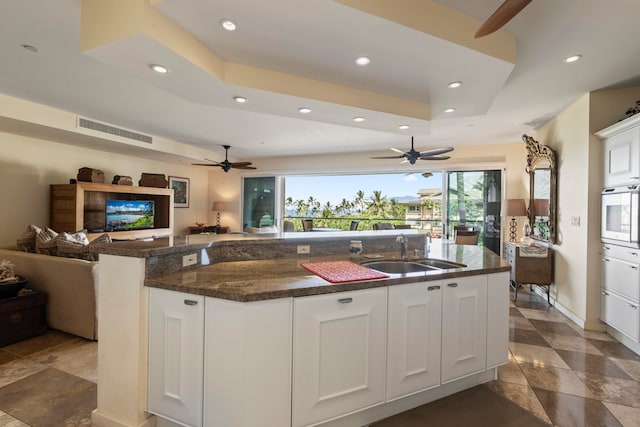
(580, 171)
(29, 165)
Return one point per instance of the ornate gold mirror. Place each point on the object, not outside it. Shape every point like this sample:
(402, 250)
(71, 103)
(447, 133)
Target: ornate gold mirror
(541, 167)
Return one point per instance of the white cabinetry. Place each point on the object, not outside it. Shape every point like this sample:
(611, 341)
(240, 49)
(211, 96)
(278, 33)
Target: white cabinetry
(621, 152)
(497, 319)
(176, 328)
(621, 289)
(339, 349)
(413, 343)
(248, 363)
(464, 327)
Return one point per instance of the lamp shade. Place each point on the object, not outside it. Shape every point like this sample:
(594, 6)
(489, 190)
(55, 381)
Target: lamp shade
(513, 207)
(541, 207)
(217, 206)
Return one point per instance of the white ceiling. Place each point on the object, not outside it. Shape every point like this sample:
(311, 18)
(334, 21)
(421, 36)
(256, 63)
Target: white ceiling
(319, 39)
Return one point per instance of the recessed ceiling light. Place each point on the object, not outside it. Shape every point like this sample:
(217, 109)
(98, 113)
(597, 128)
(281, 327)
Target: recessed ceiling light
(363, 60)
(228, 24)
(30, 48)
(572, 58)
(403, 127)
(454, 85)
(240, 99)
(304, 110)
(358, 119)
(449, 110)
(160, 69)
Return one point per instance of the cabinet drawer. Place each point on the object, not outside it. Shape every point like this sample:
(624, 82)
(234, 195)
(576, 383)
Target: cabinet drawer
(620, 314)
(625, 254)
(621, 277)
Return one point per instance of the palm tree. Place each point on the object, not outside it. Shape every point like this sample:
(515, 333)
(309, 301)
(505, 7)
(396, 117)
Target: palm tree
(378, 203)
(359, 201)
(344, 206)
(314, 205)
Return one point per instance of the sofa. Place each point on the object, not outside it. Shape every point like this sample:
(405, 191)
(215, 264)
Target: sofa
(71, 286)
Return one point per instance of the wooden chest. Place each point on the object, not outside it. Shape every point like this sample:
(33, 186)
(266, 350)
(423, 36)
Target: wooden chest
(22, 317)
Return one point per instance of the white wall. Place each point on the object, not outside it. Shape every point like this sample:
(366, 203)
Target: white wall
(29, 165)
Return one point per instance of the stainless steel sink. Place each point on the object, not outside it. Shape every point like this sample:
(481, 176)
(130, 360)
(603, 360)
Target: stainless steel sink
(402, 267)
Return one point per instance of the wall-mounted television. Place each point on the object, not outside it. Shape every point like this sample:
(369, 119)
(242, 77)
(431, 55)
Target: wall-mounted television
(129, 214)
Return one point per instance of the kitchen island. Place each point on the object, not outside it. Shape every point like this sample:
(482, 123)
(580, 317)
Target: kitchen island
(262, 341)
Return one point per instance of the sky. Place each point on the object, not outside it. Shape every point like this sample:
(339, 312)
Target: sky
(333, 188)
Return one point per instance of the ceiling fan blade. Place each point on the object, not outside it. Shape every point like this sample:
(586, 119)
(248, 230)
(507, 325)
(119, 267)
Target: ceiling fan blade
(206, 164)
(240, 164)
(397, 151)
(235, 166)
(388, 157)
(436, 151)
(435, 158)
(501, 16)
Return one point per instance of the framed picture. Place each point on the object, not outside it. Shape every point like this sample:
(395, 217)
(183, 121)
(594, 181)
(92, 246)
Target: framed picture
(180, 191)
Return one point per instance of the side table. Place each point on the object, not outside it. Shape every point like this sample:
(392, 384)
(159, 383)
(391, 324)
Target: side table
(22, 316)
(529, 267)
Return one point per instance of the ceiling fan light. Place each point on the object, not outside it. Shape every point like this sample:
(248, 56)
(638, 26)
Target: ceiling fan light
(572, 58)
(454, 85)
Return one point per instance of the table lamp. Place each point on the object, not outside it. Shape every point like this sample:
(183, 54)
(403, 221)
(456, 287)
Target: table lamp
(513, 208)
(217, 207)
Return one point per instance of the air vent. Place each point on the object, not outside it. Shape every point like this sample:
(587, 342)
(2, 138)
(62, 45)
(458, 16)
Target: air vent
(112, 130)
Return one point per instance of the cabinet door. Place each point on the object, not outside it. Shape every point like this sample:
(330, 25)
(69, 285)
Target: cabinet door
(464, 327)
(248, 363)
(413, 346)
(620, 314)
(176, 336)
(497, 319)
(339, 347)
(621, 277)
(622, 161)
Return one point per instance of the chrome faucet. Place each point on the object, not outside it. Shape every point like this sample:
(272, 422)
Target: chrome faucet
(404, 245)
(427, 244)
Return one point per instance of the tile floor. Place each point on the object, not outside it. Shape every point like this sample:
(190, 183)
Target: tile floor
(563, 375)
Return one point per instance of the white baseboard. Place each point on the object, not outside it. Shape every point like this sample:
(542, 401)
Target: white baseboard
(625, 340)
(98, 419)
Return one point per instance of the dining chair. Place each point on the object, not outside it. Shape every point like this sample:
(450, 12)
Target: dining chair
(382, 226)
(307, 225)
(464, 237)
(287, 226)
(354, 225)
(402, 226)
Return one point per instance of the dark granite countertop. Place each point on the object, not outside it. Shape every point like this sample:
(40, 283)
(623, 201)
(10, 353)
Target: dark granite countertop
(255, 280)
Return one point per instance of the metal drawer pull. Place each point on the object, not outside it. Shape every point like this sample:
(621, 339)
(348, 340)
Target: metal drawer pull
(633, 267)
(433, 288)
(634, 253)
(190, 302)
(345, 300)
(452, 285)
(635, 307)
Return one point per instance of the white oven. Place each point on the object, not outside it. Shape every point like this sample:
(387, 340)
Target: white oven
(620, 216)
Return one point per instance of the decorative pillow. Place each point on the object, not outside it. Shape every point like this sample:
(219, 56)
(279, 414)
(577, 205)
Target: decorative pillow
(103, 238)
(27, 241)
(70, 246)
(46, 242)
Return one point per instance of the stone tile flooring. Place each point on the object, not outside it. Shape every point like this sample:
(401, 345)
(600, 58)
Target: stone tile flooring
(563, 375)
(48, 381)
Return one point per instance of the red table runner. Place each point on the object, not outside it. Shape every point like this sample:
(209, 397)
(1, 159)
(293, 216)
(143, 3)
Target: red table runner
(343, 271)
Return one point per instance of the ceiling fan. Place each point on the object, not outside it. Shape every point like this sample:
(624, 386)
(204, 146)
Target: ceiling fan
(226, 165)
(412, 155)
(501, 16)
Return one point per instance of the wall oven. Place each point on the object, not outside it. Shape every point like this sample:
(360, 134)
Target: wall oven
(620, 216)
